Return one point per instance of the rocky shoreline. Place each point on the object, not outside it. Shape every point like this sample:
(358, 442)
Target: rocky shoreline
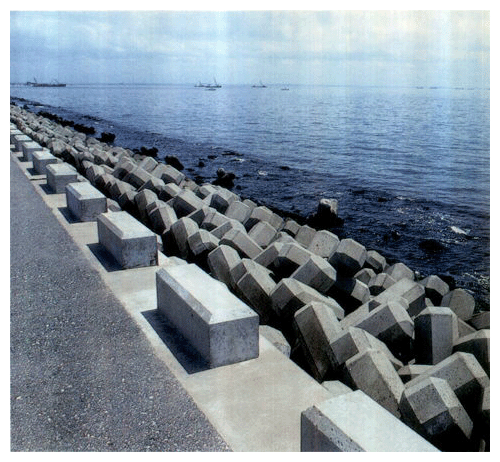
(345, 314)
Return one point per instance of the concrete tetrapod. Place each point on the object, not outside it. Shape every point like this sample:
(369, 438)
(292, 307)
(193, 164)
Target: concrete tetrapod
(460, 302)
(221, 328)
(334, 425)
(317, 273)
(221, 261)
(432, 409)
(477, 344)
(348, 258)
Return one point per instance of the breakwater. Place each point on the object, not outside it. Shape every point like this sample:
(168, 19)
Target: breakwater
(321, 292)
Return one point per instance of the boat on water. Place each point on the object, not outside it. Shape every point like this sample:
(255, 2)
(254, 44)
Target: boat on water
(285, 89)
(209, 86)
(54, 83)
(261, 85)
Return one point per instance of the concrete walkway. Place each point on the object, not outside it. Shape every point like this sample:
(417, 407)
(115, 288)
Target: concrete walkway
(84, 377)
(94, 368)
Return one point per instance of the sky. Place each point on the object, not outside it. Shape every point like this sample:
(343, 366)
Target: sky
(362, 47)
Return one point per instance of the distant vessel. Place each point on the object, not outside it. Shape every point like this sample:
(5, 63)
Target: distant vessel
(54, 83)
(261, 85)
(211, 86)
(285, 88)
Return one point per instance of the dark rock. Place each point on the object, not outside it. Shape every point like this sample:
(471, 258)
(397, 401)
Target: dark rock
(84, 129)
(201, 163)
(174, 162)
(224, 179)
(431, 246)
(107, 137)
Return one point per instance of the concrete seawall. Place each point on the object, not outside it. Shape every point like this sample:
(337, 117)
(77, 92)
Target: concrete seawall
(349, 321)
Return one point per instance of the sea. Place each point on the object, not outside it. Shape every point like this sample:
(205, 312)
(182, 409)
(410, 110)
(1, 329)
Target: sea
(409, 166)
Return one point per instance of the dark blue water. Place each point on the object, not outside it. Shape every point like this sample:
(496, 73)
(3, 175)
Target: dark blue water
(406, 164)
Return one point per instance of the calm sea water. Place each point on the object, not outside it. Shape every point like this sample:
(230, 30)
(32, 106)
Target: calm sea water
(406, 164)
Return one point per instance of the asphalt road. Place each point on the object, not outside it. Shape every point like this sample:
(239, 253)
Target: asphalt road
(83, 376)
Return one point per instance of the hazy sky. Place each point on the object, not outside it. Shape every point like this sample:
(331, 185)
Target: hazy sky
(442, 48)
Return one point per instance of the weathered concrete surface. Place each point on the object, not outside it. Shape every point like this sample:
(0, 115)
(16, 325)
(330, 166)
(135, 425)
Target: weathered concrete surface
(349, 257)
(85, 201)
(478, 344)
(59, 175)
(41, 159)
(432, 409)
(460, 302)
(317, 273)
(219, 326)
(433, 335)
(372, 372)
(465, 376)
(129, 241)
(334, 425)
(316, 326)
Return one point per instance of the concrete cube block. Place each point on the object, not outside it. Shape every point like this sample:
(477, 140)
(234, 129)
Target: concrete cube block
(179, 233)
(268, 256)
(30, 147)
(199, 215)
(409, 290)
(348, 258)
(316, 326)
(262, 233)
(334, 425)
(148, 164)
(400, 271)
(169, 191)
(221, 261)
(391, 324)
(379, 283)
(432, 409)
(237, 210)
(123, 167)
(336, 387)
(84, 201)
(60, 175)
(226, 227)
(243, 243)
(411, 371)
(142, 200)
(153, 184)
(305, 235)
(186, 202)
(324, 243)
(351, 341)
(127, 202)
(276, 338)
(206, 190)
(433, 335)
(365, 275)
(477, 344)
(170, 174)
(222, 199)
(137, 177)
(129, 241)
(290, 295)
(435, 288)
(349, 292)
(18, 142)
(375, 261)
(480, 320)
(243, 267)
(221, 328)
(465, 376)
(260, 213)
(41, 159)
(317, 273)
(289, 258)
(256, 286)
(202, 242)
(291, 227)
(460, 302)
(162, 218)
(372, 372)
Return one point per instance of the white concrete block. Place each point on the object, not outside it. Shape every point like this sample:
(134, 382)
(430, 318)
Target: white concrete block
(221, 328)
(85, 201)
(128, 240)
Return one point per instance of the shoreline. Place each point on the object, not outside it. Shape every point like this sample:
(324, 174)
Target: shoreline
(395, 239)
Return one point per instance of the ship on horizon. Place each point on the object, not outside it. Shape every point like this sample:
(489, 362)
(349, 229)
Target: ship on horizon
(54, 83)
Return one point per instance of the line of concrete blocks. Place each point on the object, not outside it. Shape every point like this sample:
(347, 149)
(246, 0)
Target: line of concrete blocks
(284, 281)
